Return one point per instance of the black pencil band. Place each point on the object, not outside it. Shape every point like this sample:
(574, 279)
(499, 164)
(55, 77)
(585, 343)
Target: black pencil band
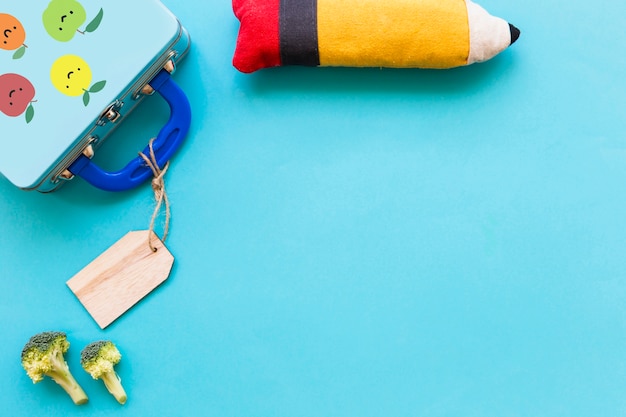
(298, 32)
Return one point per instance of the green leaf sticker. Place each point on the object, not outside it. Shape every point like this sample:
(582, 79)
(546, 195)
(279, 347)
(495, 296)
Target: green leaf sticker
(20, 52)
(86, 98)
(93, 25)
(97, 86)
(30, 113)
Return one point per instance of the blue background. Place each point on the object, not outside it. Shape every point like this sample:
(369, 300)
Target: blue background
(357, 242)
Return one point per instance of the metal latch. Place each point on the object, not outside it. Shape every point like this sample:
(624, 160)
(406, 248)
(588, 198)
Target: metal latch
(111, 113)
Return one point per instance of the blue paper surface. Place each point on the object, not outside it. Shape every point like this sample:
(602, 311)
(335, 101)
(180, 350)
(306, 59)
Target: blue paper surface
(357, 242)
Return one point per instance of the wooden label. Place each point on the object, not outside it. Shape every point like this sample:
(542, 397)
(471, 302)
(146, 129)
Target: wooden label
(120, 277)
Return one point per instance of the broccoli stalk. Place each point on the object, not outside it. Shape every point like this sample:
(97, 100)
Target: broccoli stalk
(98, 359)
(113, 384)
(43, 355)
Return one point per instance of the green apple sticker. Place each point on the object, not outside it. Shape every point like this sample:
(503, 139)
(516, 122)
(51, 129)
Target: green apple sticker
(63, 18)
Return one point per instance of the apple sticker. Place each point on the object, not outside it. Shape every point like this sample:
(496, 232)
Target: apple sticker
(16, 96)
(72, 76)
(12, 35)
(63, 18)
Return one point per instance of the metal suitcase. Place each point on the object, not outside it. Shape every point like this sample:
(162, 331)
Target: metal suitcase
(70, 72)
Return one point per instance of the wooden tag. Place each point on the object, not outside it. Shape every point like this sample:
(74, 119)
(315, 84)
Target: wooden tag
(120, 277)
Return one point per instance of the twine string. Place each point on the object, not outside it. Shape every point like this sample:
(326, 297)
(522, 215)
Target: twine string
(160, 195)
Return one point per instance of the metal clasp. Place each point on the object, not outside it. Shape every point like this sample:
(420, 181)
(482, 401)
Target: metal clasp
(111, 113)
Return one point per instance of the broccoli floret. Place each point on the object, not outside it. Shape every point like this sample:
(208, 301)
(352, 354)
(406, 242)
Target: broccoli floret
(43, 355)
(98, 359)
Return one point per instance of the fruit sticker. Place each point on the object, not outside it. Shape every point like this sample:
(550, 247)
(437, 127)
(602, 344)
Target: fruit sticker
(12, 35)
(16, 96)
(63, 18)
(72, 76)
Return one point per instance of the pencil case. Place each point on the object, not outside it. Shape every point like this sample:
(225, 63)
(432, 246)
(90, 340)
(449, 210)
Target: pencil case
(71, 72)
(367, 33)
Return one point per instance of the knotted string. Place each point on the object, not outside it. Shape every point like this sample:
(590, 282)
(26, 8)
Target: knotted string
(160, 195)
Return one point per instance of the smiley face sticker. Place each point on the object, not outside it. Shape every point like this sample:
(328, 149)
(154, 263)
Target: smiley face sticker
(72, 76)
(17, 96)
(63, 19)
(12, 35)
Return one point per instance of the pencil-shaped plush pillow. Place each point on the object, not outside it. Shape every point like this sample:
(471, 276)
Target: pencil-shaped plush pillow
(367, 33)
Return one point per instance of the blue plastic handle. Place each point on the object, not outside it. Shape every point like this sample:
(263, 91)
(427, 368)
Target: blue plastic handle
(166, 143)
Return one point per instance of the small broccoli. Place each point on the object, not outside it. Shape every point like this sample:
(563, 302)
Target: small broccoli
(43, 355)
(98, 359)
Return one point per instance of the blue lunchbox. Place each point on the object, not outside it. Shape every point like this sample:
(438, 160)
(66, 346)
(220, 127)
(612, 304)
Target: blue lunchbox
(61, 94)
